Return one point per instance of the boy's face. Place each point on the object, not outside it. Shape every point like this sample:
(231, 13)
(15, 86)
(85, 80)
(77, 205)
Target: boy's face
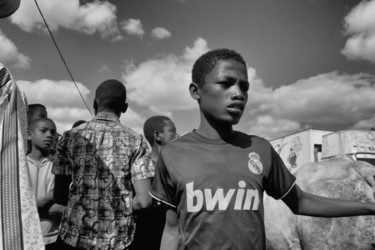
(43, 135)
(223, 95)
(169, 132)
(38, 113)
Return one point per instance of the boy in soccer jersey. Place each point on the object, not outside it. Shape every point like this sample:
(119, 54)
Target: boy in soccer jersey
(213, 178)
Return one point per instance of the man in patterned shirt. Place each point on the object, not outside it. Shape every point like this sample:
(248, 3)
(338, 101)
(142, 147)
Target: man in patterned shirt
(103, 173)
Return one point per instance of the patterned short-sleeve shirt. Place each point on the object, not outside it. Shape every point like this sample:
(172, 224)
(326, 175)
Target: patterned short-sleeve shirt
(104, 159)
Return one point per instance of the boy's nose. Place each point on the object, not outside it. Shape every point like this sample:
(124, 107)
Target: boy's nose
(237, 93)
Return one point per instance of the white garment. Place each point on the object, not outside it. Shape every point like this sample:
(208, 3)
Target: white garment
(42, 181)
(19, 222)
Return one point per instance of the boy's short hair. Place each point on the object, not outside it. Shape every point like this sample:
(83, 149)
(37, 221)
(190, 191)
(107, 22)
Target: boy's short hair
(206, 62)
(152, 124)
(32, 107)
(111, 94)
(34, 122)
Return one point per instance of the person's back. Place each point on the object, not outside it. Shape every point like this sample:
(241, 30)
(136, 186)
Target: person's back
(107, 162)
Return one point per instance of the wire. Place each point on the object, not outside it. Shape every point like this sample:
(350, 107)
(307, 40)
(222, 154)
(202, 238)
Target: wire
(62, 58)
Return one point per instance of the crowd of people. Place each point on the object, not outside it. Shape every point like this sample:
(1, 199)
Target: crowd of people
(101, 185)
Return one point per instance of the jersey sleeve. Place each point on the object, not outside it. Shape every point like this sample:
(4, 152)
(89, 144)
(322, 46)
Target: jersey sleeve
(279, 181)
(163, 189)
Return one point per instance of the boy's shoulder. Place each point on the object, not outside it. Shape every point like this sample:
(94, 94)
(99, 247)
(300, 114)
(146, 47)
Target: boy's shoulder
(182, 141)
(191, 138)
(254, 138)
(46, 161)
(100, 127)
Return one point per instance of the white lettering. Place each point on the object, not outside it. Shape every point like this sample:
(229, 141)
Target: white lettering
(196, 198)
(250, 195)
(218, 197)
(240, 195)
(190, 195)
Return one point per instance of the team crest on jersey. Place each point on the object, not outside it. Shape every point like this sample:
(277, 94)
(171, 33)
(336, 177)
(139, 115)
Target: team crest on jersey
(254, 164)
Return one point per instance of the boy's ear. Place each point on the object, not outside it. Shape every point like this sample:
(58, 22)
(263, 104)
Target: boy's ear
(156, 137)
(194, 91)
(124, 107)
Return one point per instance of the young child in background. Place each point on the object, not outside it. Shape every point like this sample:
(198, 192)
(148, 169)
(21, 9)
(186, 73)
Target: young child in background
(42, 133)
(158, 130)
(34, 111)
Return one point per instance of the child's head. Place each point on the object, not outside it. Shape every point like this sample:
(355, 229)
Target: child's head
(159, 129)
(110, 95)
(220, 85)
(36, 111)
(206, 62)
(42, 134)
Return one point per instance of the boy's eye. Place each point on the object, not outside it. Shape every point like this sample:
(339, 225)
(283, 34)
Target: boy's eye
(226, 84)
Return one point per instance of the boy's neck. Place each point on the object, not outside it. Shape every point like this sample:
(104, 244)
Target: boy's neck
(37, 154)
(117, 113)
(155, 152)
(213, 130)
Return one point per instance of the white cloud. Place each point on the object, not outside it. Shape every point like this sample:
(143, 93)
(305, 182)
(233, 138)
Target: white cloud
(366, 123)
(133, 27)
(65, 117)
(327, 101)
(10, 54)
(61, 98)
(271, 127)
(104, 69)
(162, 83)
(95, 17)
(161, 33)
(133, 120)
(54, 93)
(360, 27)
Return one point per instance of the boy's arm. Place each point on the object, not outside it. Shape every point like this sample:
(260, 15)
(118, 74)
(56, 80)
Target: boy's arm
(170, 238)
(304, 203)
(142, 198)
(44, 203)
(56, 210)
(61, 189)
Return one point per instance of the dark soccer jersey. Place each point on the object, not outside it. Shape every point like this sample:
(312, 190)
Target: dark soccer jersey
(217, 188)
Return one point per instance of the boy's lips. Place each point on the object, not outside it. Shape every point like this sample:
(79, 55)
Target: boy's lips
(47, 141)
(236, 107)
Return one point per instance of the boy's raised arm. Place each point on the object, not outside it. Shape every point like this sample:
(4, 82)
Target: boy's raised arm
(303, 203)
(142, 198)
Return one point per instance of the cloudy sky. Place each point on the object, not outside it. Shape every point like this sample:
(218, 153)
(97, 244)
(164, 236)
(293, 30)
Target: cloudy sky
(311, 63)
